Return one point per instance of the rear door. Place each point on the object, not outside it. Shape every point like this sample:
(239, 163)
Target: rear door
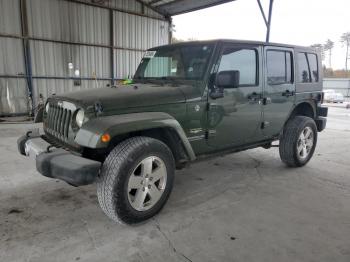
(279, 89)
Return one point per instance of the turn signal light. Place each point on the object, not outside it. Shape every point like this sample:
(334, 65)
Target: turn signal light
(105, 138)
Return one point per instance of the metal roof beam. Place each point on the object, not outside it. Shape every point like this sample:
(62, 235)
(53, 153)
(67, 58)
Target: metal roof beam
(148, 5)
(262, 12)
(184, 6)
(269, 22)
(155, 2)
(266, 20)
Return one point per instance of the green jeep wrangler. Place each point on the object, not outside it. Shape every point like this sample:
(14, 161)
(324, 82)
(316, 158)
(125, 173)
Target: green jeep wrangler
(188, 101)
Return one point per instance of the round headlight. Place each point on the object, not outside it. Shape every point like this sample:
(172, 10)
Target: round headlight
(47, 107)
(79, 118)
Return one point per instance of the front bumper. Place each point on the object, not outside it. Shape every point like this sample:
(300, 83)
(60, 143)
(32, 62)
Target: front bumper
(56, 162)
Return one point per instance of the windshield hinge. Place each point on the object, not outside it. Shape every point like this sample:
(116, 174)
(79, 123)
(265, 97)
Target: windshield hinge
(206, 134)
(264, 124)
(208, 106)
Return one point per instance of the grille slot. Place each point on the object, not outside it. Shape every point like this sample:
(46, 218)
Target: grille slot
(58, 121)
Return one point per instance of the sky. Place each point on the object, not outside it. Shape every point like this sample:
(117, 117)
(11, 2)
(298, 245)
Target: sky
(299, 22)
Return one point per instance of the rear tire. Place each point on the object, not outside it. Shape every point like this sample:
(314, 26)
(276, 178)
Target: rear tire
(298, 141)
(136, 180)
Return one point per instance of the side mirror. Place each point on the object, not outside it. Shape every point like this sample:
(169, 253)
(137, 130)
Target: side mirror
(228, 79)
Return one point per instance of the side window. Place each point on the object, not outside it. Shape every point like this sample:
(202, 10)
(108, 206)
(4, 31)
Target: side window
(303, 69)
(313, 66)
(242, 60)
(279, 67)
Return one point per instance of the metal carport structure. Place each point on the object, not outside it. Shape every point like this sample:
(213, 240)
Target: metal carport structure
(176, 7)
(103, 40)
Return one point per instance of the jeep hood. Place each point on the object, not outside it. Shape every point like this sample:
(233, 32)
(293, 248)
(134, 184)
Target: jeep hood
(125, 96)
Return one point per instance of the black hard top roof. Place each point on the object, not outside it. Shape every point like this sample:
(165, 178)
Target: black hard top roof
(235, 41)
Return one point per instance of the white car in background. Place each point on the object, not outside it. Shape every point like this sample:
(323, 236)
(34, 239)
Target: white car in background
(330, 96)
(339, 98)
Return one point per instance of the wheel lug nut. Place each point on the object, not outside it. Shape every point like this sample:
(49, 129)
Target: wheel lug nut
(151, 178)
(143, 189)
(149, 186)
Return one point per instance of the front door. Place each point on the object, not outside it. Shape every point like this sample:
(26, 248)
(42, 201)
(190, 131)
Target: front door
(235, 118)
(279, 91)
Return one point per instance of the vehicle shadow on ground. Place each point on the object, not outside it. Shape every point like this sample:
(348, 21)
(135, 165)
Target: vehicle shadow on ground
(53, 203)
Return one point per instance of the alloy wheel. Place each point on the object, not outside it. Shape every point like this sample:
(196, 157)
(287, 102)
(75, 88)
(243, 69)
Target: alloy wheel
(147, 183)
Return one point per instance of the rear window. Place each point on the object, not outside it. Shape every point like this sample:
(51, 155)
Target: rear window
(279, 67)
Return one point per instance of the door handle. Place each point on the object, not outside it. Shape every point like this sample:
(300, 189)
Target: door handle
(254, 97)
(288, 93)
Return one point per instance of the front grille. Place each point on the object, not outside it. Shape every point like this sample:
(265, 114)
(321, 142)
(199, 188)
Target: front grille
(58, 121)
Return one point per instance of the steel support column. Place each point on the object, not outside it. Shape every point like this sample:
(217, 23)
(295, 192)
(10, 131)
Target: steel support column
(26, 52)
(111, 35)
(170, 33)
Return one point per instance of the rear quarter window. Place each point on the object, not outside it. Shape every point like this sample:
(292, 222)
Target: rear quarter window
(307, 68)
(303, 68)
(313, 67)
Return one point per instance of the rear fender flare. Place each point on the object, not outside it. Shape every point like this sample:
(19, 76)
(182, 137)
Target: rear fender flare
(307, 104)
(294, 111)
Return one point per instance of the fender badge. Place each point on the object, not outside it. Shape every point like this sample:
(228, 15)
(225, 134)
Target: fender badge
(197, 108)
(98, 107)
(196, 130)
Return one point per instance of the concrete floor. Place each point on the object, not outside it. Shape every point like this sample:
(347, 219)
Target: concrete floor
(242, 207)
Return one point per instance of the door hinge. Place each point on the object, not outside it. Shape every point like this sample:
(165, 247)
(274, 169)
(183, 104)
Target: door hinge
(288, 93)
(208, 106)
(266, 100)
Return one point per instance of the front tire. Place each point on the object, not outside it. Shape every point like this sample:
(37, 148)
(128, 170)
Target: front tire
(298, 141)
(136, 180)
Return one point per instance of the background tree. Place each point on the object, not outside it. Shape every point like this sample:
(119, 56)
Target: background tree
(175, 40)
(345, 40)
(328, 46)
(319, 48)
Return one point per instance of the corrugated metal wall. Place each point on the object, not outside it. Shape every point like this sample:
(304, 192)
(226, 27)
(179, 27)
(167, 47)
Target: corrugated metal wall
(40, 38)
(13, 90)
(138, 33)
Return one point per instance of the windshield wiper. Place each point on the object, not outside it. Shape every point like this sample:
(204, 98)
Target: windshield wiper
(174, 80)
(140, 79)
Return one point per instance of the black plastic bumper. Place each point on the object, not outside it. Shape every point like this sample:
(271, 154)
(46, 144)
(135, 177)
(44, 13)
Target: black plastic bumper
(321, 123)
(321, 120)
(73, 169)
(322, 111)
(59, 163)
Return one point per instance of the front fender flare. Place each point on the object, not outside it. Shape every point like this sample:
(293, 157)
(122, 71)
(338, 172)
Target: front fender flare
(90, 133)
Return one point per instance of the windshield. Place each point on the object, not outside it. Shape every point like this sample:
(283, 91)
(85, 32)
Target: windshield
(187, 62)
